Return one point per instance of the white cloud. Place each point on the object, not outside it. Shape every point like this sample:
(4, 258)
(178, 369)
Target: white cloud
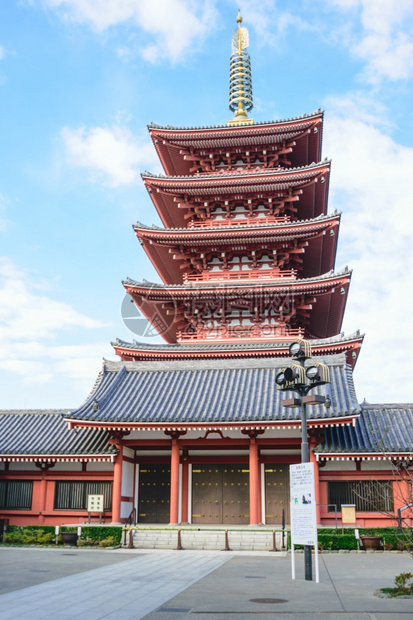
(174, 25)
(361, 106)
(270, 22)
(371, 185)
(31, 329)
(113, 154)
(383, 38)
(23, 312)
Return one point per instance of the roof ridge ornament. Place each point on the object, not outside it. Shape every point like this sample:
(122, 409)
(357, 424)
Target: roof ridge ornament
(240, 82)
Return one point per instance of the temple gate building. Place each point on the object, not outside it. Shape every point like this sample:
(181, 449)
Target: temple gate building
(193, 430)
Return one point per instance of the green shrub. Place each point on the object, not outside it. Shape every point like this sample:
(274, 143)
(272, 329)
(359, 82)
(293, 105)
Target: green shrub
(99, 534)
(334, 542)
(45, 535)
(404, 585)
(32, 535)
(332, 539)
(107, 542)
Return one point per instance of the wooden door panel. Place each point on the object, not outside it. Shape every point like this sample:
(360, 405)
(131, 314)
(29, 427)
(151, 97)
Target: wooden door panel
(220, 494)
(154, 494)
(235, 491)
(206, 494)
(277, 494)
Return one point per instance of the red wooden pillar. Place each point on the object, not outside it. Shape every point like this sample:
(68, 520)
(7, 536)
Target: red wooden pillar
(185, 489)
(254, 482)
(117, 485)
(43, 490)
(174, 500)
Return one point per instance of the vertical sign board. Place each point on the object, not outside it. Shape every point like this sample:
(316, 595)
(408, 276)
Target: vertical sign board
(95, 504)
(303, 509)
(348, 514)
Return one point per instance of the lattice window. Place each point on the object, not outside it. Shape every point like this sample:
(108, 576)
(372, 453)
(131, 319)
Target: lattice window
(73, 495)
(367, 495)
(16, 494)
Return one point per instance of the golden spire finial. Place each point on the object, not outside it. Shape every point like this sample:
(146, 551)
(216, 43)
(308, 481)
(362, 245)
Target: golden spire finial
(240, 84)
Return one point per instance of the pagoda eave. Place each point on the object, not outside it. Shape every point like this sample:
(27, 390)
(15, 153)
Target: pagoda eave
(136, 351)
(310, 308)
(175, 198)
(233, 231)
(205, 290)
(174, 144)
(172, 251)
(239, 178)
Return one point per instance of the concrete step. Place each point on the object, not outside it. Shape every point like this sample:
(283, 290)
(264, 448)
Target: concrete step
(236, 540)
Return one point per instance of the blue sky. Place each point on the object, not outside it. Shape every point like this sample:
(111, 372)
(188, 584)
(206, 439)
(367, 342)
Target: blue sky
(80, 80)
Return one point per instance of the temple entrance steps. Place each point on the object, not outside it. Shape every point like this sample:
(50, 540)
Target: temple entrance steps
(249, 538)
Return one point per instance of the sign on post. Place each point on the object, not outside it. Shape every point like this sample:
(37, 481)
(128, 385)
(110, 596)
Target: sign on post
(95, 503)
(348, 514)
(303, 510)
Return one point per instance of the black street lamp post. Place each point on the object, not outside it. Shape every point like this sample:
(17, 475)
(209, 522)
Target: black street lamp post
(294, 378)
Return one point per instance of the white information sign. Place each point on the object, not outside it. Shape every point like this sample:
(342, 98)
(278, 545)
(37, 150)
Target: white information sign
(303, 506)
(95, 503)
(303, 511)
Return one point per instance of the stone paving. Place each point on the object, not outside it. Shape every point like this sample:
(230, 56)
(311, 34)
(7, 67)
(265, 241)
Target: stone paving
(178, 585)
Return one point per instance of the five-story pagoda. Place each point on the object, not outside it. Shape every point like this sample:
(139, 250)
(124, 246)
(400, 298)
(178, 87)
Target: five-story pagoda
(247, 251)
(246, 258)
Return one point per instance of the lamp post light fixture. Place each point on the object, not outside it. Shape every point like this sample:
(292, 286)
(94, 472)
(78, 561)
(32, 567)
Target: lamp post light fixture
(301, 379)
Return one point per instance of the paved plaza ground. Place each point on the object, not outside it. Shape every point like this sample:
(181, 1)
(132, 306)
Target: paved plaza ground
(68, 583)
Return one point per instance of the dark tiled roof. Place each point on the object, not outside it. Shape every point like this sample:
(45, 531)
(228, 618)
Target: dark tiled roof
(207, 392)
(46, 434)
(380, 429)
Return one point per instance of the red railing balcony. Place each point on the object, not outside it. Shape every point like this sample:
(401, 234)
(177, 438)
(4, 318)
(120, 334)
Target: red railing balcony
(231, 333)
(233, 221)
(250, 274)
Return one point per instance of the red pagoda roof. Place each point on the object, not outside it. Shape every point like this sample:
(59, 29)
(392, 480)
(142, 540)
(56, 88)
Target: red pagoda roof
(140, 351)
(170, 193)
(176, 308)
(170, 249)
(176, 146)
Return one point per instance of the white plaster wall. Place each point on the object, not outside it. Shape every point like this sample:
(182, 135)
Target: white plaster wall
(339, 466)
(376, 465)
(241, 453)
(138, 434)
(189, 493)
(152, 452)
(136, 505)
(128, 452)
(127, 479)
(104, 466)
(125, 509)
(280, 452)
(67, 467)
(23, 467)
(263, 494)
(58, 467)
